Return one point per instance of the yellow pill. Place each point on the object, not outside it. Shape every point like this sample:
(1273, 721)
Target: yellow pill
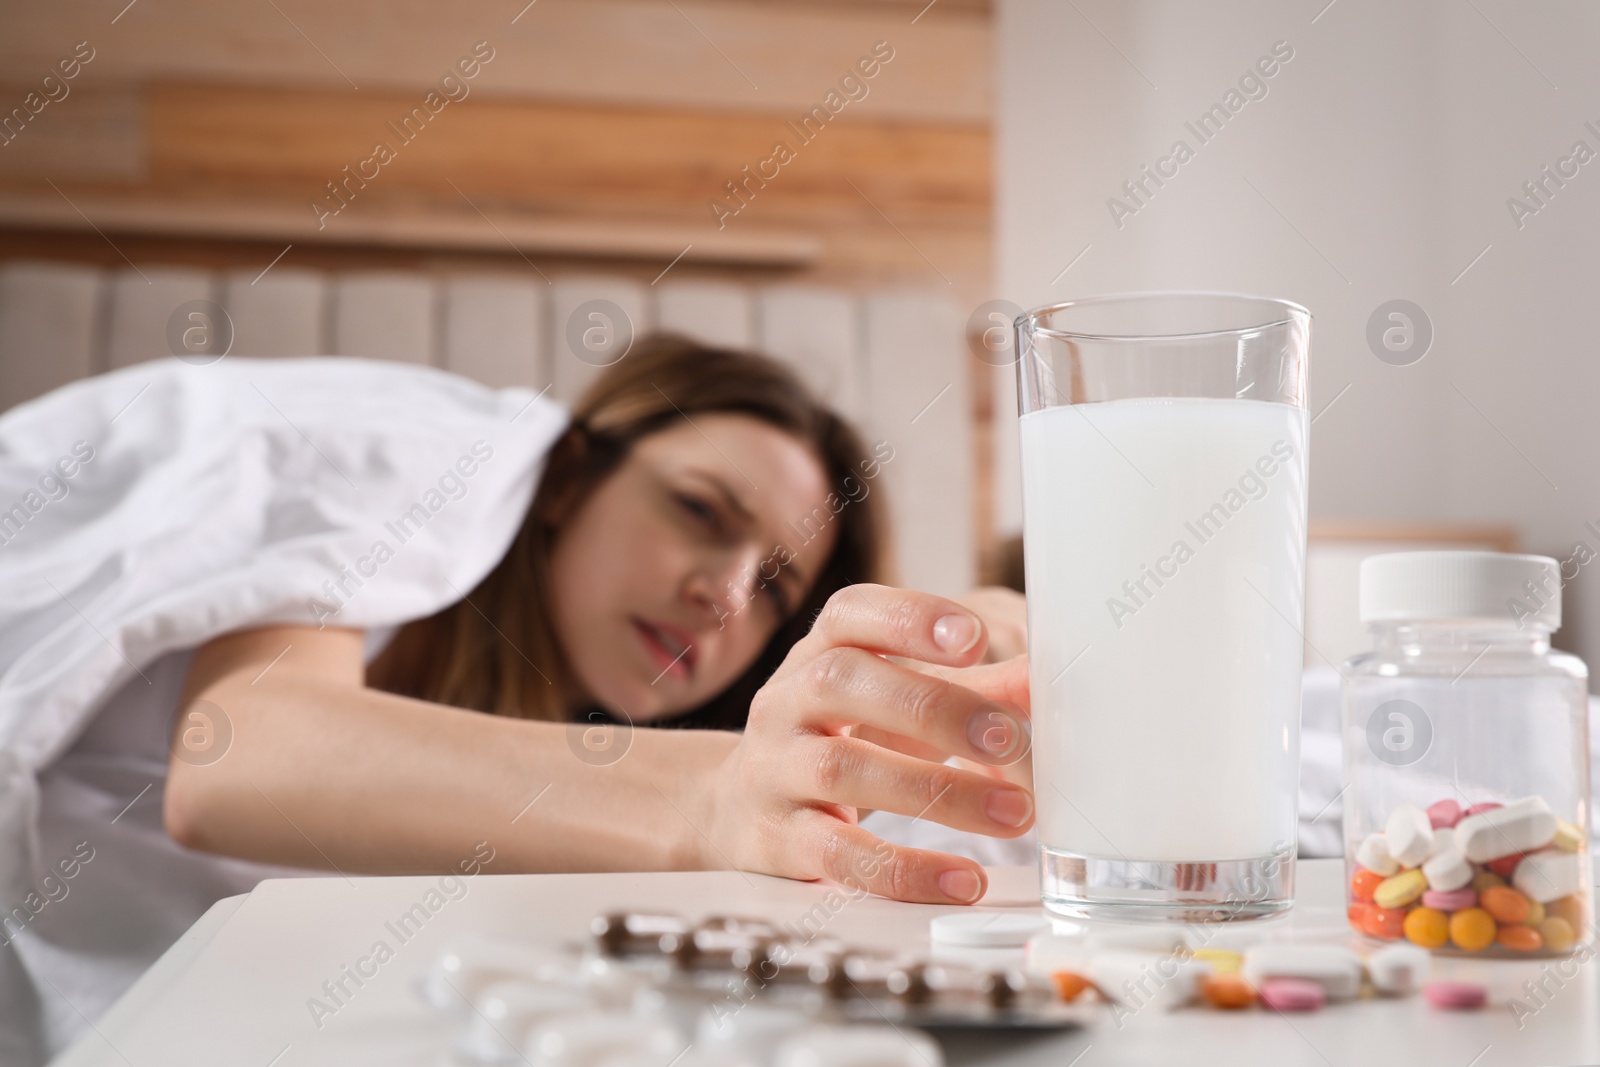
(1472, 929)
(1557, 934)
(1428, 927)
(1568, 837)
(1222, 960)
(1400, 890)
(1535, 913)
(1486, 880)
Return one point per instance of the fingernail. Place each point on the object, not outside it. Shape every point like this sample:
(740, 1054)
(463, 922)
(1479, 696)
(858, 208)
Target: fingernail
(960, 884)
(993, 732)
(955, 633)
(1008, 807)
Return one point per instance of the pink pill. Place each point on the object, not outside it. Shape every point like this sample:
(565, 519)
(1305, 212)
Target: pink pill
(1444, 813)
(1450, 900)
(1456, 996)
(1292, 994)
(1479, 809)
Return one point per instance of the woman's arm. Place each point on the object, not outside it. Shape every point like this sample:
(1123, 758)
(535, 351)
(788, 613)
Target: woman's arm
(323, 772)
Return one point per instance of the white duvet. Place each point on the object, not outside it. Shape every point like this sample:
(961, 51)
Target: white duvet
(146, 511)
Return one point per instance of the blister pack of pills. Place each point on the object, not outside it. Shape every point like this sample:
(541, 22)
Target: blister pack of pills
(723, 992)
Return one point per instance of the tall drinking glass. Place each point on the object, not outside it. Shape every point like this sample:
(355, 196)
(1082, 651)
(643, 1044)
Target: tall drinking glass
(1164, 520)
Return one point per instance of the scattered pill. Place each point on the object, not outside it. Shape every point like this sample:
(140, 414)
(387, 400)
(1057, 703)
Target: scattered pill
(1427, 927)
(1363, 882)
(1400, 890)
(1292, 994)
(988, 929)
(1409, 835)
(1472, 929)
(1069, 984)
(1222, 960)
(1505, 904)
(1519, 938)
(1398, 969)
(1337, 970)
(1557, 933)
(1455, 996)
(1135, 977)
(1547, 876)
(1568, 837)
(1448, 870)
(1373, 854)
(1444, 813)
(1450, 899)
(1228, 991)
(1521, 826)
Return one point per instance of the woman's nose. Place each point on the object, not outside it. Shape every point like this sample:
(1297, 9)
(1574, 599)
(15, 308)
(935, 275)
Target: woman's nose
(725, 585)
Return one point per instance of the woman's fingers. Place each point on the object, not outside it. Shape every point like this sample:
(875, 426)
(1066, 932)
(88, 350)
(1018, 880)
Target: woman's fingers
(898, 622)
(848, 686)
(853, 857)
(849, 772)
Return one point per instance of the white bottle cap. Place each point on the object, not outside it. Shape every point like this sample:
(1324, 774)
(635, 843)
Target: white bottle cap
(1467, 586)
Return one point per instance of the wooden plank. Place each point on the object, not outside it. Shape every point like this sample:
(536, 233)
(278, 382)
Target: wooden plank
(818, 332)
(592, 319)
(917, 397)
(49, 314)
(145, 303)
(281, 312)
(712, 312)
(384, 315)
(495, 327)
(708, 54)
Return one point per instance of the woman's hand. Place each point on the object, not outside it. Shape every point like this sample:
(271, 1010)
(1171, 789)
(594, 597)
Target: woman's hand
(786, 800)
(1005, 617)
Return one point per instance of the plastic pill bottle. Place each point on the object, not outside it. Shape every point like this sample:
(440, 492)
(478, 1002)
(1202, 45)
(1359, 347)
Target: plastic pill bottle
(1466, 758)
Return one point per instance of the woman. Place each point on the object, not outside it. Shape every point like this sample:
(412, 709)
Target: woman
(688, 560)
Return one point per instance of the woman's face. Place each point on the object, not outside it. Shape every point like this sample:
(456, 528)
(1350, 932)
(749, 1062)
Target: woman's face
(670, 578)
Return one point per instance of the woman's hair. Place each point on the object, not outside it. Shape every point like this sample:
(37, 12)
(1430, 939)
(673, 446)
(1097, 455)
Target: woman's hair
(497, 649)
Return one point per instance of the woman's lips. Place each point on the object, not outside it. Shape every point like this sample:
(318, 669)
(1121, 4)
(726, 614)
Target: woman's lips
(671, 649)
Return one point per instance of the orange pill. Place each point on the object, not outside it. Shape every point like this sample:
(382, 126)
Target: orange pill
(1227, 991)
(1506, 904)
(1472, 929)
(1363, 882)
(1069, 985)
(1573, 908)
(1428, 927)
(1386, 923)
(1357, 914)
(1505, 865)
(1520, 938)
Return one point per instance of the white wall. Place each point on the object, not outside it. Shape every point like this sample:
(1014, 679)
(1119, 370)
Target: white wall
(1376, 167)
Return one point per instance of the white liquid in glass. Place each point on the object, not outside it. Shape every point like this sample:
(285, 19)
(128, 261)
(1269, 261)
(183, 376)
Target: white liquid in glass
(1165, 543)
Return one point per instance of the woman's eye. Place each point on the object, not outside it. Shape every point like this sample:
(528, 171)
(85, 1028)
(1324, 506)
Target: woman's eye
(771, 591)
(696, 508)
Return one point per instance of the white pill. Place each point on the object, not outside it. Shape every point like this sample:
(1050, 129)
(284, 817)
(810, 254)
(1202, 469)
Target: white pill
(749, 1027)
(1521, 826)
(507, 1010)
(1547, 876)
(1134, 978)
(1448, 870)
(1409, 835)
(1048, 953)
(1399, 969)
(466, 967)
(1373, 854)
(988, 929)
(587, 1039)
(1444, 838)
(859, 1046)
(1337, 970)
